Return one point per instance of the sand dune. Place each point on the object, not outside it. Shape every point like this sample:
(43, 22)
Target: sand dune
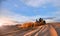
(44, 30)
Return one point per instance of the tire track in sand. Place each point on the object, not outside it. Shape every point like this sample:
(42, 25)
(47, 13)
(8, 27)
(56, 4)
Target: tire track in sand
(32, 33)
(53, 31)
(41, 31)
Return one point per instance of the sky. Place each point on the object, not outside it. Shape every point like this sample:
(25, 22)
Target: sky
(29, 10)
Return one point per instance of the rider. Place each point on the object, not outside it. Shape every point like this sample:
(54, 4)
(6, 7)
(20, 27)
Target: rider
(40, 19)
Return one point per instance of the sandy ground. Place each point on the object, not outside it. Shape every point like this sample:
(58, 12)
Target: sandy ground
(52, 29)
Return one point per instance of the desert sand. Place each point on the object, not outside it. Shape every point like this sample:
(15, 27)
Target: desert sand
(50, 29)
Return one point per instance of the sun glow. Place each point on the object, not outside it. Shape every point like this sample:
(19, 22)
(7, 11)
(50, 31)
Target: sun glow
(3, 21)
(1, 24)
(6, 21)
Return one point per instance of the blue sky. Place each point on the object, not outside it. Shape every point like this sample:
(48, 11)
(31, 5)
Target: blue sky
(19, 7)
(22, 10)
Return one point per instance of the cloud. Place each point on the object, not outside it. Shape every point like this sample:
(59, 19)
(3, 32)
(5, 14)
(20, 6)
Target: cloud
(57, 15)
(40, 3)
(12, 15)
(18, 17)
(8, 17)
(34, 3)
(50, 20)
(55, 3)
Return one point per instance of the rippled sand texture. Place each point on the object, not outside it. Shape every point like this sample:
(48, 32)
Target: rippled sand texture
(52, 29)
